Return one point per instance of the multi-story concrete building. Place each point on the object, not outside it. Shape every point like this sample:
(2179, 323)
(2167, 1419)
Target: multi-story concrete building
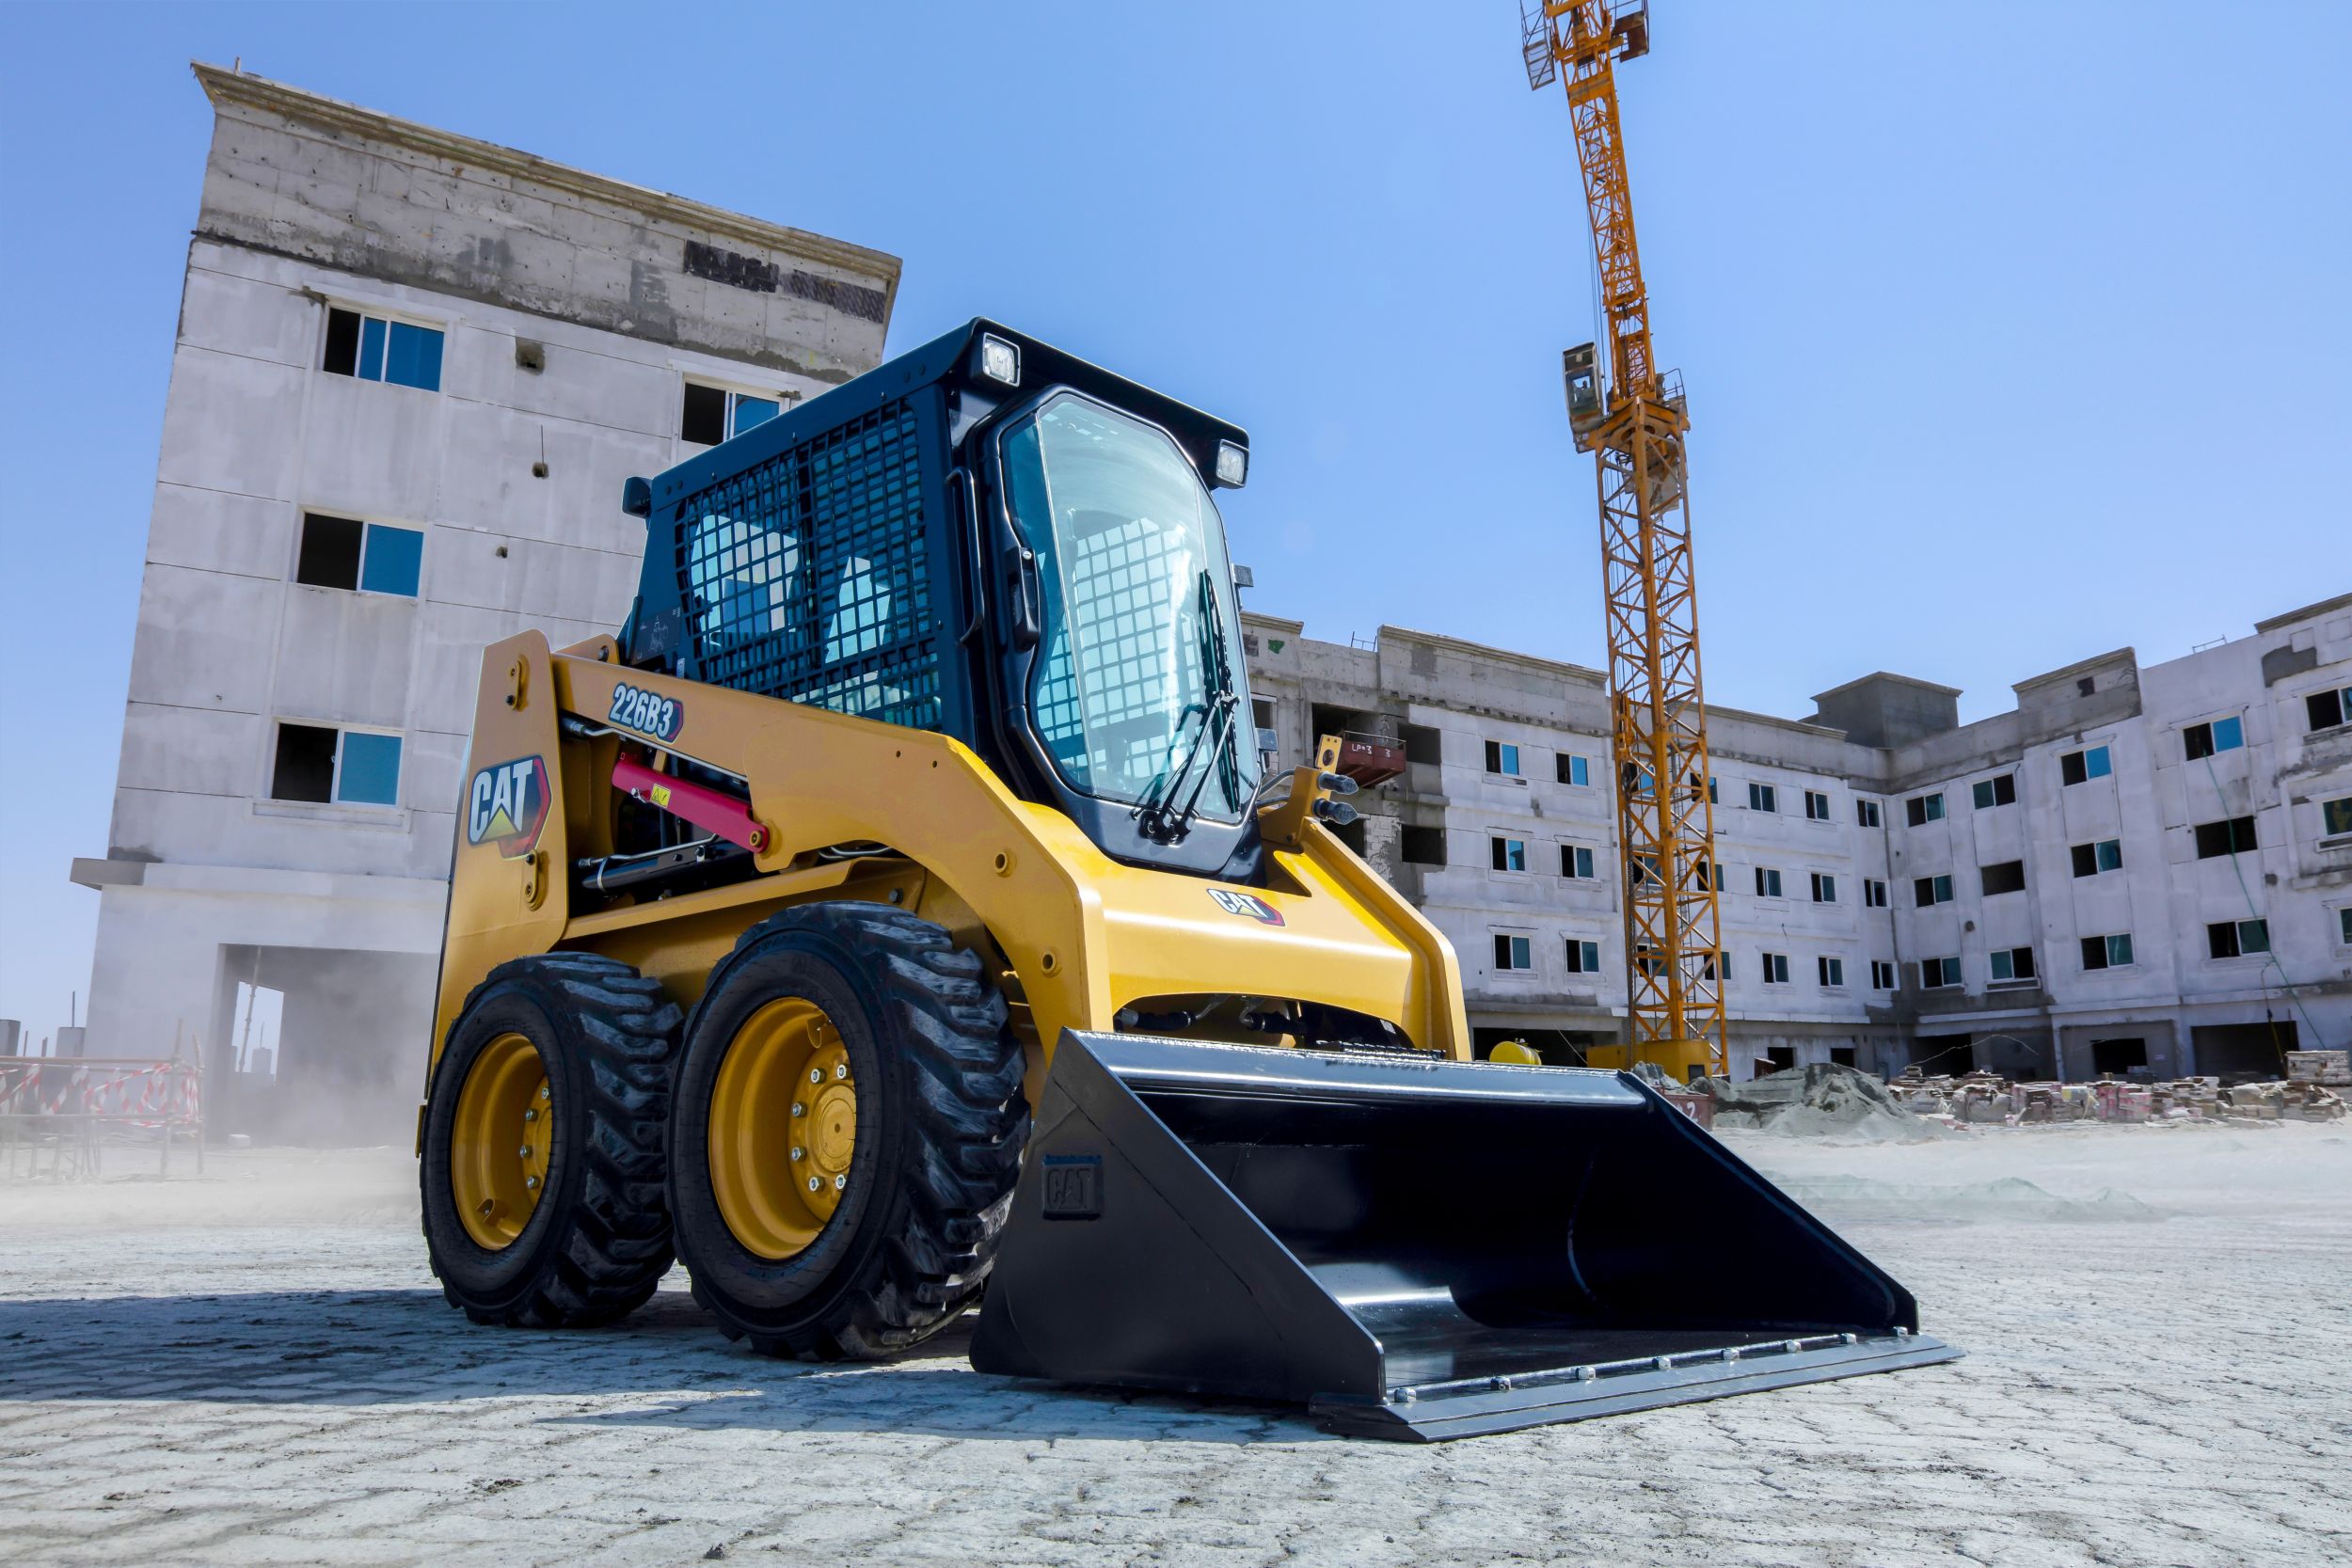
(2134, 869)
(412, 371)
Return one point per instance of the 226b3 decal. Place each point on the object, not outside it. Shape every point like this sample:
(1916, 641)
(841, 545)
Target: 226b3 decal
(506, 805)
(647, 714)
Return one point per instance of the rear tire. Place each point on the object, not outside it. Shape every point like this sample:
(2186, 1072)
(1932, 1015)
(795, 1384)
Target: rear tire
(939, 1123)
(588, 1243)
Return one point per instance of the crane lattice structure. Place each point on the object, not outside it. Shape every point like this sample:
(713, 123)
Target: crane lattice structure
(1634, 419)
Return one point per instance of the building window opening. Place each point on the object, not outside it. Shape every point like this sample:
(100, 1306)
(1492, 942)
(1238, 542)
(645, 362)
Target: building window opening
(1510, 854)
(1815, 806)
(1575, 860)
(2324, 710)
(2230, 836)
(713, 414)
(1514, 952)
(369, 557)
(2001, 791)
(1926, 892)
(1573, 770)
(1763, 797)
(2003, 877)
(2082, 767)
(374, 348)
(1583, 956)
(1502, 758)
(2238, 938)
(1775, 968)
(2204, 740)
(2093, 859)
(1422, 845)
(1767, 882)
(2012, 963)
(1866, 814)
(1939, 973)
(318, 762)
(1881, 974)
(1833, 970)
(2111, 952)
(1873, 893)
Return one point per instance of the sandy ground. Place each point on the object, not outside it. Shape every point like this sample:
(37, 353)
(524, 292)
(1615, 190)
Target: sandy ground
(255, 1369)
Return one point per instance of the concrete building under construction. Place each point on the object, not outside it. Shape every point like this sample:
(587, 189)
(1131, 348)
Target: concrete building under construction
(2135, 867)
(412, 371)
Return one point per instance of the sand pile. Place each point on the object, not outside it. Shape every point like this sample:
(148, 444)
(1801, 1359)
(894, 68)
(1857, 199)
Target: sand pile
(1822, 1100)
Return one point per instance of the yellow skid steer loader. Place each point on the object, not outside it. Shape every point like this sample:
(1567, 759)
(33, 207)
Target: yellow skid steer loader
(894, 917)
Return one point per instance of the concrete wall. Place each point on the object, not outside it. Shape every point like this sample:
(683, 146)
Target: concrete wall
(574, 310)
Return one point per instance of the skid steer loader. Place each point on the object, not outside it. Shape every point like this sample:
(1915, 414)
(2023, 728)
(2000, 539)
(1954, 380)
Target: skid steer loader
(894, 917)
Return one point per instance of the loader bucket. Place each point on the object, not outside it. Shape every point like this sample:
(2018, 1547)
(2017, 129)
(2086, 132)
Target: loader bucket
(1411, 1247)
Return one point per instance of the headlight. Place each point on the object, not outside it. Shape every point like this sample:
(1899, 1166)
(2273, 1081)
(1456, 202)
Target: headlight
(1000, 360)
(1233, 463)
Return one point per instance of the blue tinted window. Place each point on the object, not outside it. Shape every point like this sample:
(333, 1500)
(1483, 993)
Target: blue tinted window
(370, 774)
(393, 558)
(2228, 733)
(371, 349)
(1578, 771)
(414, 359)
(2095, 763)
(1510, 759)
(749, 412)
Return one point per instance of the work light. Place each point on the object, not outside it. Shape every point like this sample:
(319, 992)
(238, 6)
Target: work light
(1000, 360)
(1233, 463)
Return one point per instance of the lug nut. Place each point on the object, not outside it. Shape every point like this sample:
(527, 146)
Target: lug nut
(532, 1114)
(798, 1154)
(841, 1070)
(531, 1181)
(523, 1153)
(814, 1183)
(840, 1183)
(799, 1109)
(543, 1092)
(815, 1075)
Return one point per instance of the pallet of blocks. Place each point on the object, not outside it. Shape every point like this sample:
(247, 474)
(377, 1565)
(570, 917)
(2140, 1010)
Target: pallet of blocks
(2332, 1069)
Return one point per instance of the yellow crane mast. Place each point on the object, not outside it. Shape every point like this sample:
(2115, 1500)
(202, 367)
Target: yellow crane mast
(1632, 419)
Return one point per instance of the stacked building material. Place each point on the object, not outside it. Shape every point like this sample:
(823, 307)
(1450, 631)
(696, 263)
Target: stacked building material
(2330, 1067)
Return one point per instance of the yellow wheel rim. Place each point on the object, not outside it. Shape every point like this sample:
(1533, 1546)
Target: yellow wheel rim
(783, 1127)
(500, 1141)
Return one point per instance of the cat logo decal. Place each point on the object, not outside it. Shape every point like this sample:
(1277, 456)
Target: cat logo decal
(506, 805)
(1246, 904)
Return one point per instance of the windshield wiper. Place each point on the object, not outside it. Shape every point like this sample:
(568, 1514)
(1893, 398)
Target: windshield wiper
(1217, 720)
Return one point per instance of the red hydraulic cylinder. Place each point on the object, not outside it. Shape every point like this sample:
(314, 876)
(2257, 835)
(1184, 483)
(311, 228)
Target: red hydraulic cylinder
(711, 809)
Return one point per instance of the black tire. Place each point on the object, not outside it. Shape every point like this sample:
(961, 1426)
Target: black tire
(939, 1135)
(599, 1239)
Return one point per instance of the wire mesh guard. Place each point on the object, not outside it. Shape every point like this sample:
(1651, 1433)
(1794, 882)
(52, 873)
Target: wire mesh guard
(806, 576)
(1109, 719)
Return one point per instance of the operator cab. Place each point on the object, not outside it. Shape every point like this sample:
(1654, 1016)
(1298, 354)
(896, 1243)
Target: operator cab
(999, 541)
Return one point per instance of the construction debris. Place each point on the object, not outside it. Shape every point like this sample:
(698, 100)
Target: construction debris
(1989, 1100)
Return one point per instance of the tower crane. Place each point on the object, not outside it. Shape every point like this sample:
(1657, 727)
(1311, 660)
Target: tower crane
(1633, 417)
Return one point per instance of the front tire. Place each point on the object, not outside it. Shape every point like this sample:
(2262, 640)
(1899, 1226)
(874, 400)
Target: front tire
(845, 1134)
(542, 1177)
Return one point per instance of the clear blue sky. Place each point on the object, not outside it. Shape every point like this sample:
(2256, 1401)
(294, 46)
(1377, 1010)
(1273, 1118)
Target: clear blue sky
(2013, 333)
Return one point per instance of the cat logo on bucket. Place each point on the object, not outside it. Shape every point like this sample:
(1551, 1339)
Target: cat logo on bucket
(1248, 904)
(507, 805)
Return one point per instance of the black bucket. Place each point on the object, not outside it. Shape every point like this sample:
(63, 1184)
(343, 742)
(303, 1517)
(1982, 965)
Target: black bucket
(1411, 1247)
